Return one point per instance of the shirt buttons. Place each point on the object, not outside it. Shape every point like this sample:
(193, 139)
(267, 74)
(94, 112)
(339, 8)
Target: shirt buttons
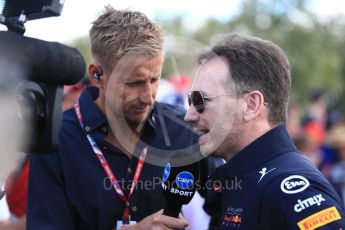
(129, 170)
(134, 208)
(87, 128)
(104, 129)
(105, 147)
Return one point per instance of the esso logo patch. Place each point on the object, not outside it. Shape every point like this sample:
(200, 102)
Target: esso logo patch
(294, 184)
(184, 180)
(166, 172)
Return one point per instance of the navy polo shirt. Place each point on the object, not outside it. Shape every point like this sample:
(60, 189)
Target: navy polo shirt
(69, 189)
(270, 185)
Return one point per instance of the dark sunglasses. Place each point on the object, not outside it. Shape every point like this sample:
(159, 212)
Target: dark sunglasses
(198, 100)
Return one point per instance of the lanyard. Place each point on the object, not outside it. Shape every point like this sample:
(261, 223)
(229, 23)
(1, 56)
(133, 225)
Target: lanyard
(108, 171)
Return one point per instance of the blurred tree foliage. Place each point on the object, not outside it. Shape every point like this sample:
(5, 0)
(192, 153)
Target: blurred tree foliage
(83, 45)
(316, 48)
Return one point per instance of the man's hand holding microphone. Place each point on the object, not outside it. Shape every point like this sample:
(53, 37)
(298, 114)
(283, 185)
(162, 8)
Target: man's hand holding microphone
(158, 221)
(178, 187)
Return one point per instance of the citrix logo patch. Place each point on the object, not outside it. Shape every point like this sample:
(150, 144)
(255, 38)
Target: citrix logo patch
(303, 204)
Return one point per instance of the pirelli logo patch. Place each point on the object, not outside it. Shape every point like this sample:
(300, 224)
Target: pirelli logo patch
(319, 219)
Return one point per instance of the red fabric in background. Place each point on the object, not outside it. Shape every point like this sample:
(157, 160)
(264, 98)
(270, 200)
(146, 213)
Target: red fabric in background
(16, 190)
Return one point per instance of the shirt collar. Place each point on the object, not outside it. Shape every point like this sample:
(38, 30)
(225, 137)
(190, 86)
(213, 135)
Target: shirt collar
(94, 118)
(92, 115)
(270, 145)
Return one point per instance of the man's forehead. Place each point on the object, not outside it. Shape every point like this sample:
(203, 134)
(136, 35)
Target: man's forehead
(138, 66)
(131, 63)
(211, 74)
(216, 64)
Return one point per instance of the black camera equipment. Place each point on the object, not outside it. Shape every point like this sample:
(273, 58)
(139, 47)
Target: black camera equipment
(34, 71)
(16, 12)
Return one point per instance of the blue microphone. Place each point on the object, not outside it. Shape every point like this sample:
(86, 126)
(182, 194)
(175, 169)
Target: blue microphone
(179, 185)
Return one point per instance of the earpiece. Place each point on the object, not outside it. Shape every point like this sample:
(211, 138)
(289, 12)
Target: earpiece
(97, 76)
(96, 71)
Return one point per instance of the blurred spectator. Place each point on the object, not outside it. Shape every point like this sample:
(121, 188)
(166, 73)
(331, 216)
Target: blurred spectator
(335, 116)
(316, 131)
(317, 110)
(314, 126)
(14, 202)
(305, 138)
(173, 89)
(166, 93)
(71, 94)
(16, 189)
(336, 140)
(316, 117)
(294, 124)
(309, 148)
(182, 84)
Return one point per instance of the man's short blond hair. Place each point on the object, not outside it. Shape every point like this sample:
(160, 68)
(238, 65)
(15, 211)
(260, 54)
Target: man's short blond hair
(116, 33)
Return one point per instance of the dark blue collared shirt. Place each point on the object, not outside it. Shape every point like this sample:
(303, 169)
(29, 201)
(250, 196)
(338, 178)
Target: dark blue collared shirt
(70, 190)
(269, 185)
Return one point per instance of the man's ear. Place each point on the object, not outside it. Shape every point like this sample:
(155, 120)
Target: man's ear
(255, 105)
(95, 75)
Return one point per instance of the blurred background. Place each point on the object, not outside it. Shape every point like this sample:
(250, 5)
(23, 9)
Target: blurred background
(312, 33)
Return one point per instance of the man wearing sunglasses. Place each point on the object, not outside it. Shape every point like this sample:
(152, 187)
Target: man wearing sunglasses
(238, 102)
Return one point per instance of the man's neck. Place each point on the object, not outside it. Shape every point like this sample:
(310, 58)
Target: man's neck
(250, 133)
(101, 104)
(128, 149)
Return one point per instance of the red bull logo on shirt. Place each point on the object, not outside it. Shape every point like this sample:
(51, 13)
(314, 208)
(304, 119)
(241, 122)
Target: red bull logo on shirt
(233, 217)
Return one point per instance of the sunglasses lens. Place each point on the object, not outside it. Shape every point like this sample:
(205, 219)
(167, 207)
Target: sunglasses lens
(189, 99)
(198, 101)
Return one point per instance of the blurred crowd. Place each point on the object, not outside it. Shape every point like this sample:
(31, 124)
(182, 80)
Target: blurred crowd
(319, 134)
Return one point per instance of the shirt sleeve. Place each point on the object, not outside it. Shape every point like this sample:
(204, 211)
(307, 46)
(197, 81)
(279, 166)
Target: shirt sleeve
(47, 205)
(298, 202)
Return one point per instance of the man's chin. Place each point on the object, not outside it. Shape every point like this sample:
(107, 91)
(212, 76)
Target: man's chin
(206, 150)
(137, 120)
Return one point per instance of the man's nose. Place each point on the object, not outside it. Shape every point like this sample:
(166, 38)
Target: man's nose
(147, 96)
(192, 115)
